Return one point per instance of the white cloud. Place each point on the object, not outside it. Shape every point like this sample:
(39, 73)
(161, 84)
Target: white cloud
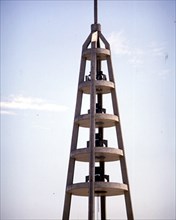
(5, 112)
(119, 43)
(121, 46)
(164, 73)
(157, 49)
(137, 56)
(135, 61)
(30, 103)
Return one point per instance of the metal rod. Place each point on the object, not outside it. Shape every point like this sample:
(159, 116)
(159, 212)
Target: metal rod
(95, 12)
(103, 208)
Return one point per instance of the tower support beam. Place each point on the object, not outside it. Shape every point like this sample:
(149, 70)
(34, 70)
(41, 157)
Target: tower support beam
(71, 166)
(123, 166)
(91, 208)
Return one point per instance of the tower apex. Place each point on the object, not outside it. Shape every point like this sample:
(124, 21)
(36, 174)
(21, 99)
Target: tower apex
(95, 26)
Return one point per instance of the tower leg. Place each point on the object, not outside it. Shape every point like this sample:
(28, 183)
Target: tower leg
(68, 196)
(123, 165)
(71, 167)
(91, 208)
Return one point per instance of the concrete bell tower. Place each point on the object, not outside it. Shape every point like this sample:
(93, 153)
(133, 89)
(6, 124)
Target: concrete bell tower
(97, 84)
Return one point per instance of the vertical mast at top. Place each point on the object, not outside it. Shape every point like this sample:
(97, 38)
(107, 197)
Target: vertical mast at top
(95, 12)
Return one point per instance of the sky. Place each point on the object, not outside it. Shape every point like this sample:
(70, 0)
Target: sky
(41, 44)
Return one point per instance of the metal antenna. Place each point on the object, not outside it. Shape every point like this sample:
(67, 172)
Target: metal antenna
(95, 12)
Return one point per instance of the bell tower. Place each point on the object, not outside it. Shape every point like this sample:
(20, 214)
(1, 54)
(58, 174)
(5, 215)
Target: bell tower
(96, 152)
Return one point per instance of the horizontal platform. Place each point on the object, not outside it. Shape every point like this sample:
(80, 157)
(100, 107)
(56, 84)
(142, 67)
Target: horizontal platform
(101, 189)
(102, 86)
(101, 120)
(106, 154)
(102, 53)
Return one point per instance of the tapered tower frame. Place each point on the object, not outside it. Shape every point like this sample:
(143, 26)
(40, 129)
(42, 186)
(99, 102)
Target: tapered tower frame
(96, 85)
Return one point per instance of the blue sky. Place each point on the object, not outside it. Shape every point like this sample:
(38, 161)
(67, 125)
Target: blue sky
(40, 56)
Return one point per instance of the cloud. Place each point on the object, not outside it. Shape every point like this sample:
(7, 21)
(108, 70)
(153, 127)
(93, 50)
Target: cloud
(135, 61)
(157, 49)
(119, 43)
(137, 56)
(164, 73)
(121, 46)
(30, 103)
(5, 112)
